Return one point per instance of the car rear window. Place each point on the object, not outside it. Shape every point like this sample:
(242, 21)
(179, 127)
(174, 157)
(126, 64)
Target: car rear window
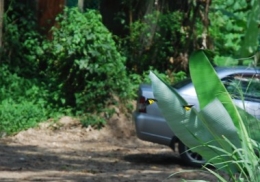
(182, 83)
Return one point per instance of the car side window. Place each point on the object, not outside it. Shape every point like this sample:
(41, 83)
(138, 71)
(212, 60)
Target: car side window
(246, 85)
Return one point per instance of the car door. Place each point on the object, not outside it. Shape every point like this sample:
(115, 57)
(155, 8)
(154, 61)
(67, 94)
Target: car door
(245, 91)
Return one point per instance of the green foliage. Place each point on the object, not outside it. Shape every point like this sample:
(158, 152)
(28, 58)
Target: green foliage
(228, 26)
(251, 39)
(81, 70)
(159, 38)
(153, 41)
(78, 71)
(229, 61)
(201, 72)
(83, 62)
(229, 29)
(199, 64)
(16, 116)
(16, 87)
(92, 120)
(195, 129)
(23, 96)
(21, 41)
(22, 102)
(169, 77)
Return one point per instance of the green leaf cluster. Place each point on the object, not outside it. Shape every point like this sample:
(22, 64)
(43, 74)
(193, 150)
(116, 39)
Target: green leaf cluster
(84, 62)
(234, 30)
(227, 25)
(23, 102)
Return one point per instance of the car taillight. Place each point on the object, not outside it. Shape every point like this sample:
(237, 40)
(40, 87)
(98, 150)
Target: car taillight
(142, 104)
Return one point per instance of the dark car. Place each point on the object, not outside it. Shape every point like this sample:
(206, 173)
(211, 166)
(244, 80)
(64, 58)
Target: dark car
(151, 126)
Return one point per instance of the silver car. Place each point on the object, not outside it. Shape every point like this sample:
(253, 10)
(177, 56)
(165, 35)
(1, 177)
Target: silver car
(151, 126)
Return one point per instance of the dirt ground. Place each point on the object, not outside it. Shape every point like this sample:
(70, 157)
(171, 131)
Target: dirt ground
(67, 152)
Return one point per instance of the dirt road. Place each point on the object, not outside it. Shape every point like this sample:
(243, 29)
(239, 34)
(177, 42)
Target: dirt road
(68, 152)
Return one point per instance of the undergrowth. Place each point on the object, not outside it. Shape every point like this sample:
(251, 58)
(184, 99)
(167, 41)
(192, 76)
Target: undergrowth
(77, 73)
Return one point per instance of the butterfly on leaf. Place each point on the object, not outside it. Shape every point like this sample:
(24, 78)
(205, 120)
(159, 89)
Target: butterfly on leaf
(150, 101)
(187, 107)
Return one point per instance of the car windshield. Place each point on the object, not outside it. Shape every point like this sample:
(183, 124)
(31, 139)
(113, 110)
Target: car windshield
(182, 83)
(247, 85)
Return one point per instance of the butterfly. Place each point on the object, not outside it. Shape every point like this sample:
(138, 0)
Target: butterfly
(150, 101)
(187, 107)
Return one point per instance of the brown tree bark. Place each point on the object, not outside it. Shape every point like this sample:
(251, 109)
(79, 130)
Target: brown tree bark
(47, 11)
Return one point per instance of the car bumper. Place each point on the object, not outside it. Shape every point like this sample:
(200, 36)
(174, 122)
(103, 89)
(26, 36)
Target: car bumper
(153, 129)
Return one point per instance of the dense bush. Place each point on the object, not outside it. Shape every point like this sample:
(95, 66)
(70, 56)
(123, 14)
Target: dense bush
(24, 102)
(83, 62)
(79, 71)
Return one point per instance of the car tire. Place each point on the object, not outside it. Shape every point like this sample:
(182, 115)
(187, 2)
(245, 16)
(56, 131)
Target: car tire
(190, 158)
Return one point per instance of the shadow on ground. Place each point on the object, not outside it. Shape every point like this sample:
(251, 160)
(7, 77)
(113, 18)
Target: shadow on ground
(104, 161)
(154, 159)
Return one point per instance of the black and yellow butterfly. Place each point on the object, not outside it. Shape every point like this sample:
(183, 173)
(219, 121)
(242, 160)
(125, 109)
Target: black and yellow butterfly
(150, 101)
(187, 107)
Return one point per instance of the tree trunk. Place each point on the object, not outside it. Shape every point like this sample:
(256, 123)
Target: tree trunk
(81, 5)
(1, 21)
(47, 11)
(206, 22)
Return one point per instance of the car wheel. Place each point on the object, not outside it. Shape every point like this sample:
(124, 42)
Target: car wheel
(189, 157)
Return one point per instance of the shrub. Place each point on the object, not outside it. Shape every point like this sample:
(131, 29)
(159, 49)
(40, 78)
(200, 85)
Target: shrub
(22, 102)
(16, 116)
(83, 62)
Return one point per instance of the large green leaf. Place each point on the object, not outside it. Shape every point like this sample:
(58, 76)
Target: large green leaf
(197, 130)
(217, 131)
(208, 86)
